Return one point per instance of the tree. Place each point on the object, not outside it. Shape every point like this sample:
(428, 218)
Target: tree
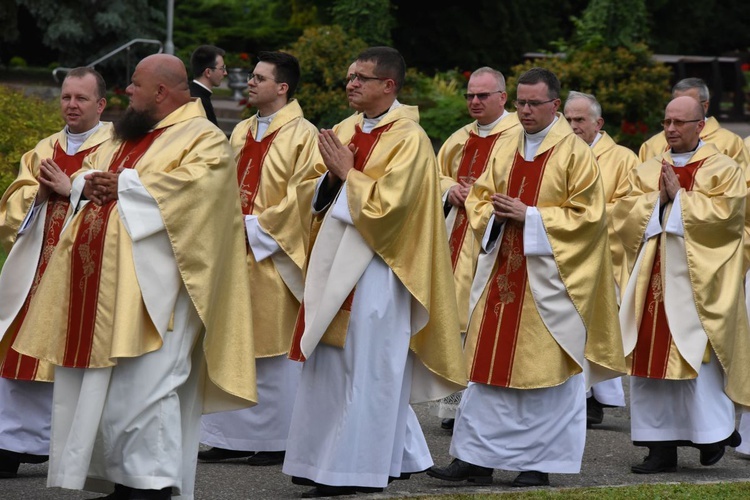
(84, 31)
(611, 23)
(371, 20)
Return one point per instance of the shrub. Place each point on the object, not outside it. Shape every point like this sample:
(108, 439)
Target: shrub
(631, 87)
(24, 121)
(17, 62)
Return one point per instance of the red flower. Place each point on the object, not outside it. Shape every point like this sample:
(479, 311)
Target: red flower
(628, 128)
(467, 74)
(244, 56)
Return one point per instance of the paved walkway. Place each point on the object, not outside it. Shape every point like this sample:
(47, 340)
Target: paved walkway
(607, 459)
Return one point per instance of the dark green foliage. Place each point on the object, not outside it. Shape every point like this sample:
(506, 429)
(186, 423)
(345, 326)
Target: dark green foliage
(371, 20)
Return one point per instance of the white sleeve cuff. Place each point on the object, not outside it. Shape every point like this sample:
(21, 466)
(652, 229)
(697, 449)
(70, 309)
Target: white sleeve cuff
(535, 240)
(489, 244)
(340, 208)
(30, 217)
(654, 226)
(674, 222)
(261, 243)
(76, 191)
(138, 210)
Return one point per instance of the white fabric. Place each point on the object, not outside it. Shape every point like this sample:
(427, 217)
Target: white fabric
(263, 123)
(484, 130)
(261, 243)
(535, 239)
(609, 392)
(653, 227)
(30, 217)
(352, 424)
(136, 423)
(25, 411)
(674, 221)
(695, 410)
(596, 139)
(522, 430)
(74, 141)
(264, 427)
(533, 141)
(744, 430)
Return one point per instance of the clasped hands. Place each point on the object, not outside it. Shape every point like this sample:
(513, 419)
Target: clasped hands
(506, 207)
(51, 179)
(101, 187)
(339, 159)
(669, 185)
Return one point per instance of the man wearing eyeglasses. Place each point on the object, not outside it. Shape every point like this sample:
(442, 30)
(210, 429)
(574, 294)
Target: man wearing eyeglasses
(273, 149)
(683, 321)
(378, 324)
(543, 309)
(462, 159)
(584, 114)
(726, 141)
(207, 65)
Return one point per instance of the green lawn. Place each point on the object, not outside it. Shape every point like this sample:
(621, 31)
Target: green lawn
(641, 492)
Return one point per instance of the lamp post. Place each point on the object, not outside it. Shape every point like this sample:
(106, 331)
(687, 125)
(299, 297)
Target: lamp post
(169, 44)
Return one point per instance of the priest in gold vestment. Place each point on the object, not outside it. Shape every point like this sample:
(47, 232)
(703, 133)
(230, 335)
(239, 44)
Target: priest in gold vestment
(584, 114)
(143, 307)
(273, 150)
(543, 321)
(33, 211)
(378, 325)
(462, 159)
(685, 329)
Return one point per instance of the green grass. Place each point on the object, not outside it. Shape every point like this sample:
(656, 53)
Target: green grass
(716, 491)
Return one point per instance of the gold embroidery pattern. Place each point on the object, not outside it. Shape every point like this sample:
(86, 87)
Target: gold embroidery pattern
(510, 252)
(95, 224)
(460, 218)
(658, 291)
(246, 193)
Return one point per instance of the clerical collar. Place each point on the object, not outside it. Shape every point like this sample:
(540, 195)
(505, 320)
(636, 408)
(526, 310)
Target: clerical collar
(596, 139)
(484, 130)
(199, 83)
(533, 141)
(263, 123)
(370, 123)
(682, 159)
(75, 141)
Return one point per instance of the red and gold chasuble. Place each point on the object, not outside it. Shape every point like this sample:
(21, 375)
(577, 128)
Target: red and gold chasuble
(250, 167)
(87, 260)
(364, 144)
(18, 366)
(474, 159)
(498, 331)
(651, 353)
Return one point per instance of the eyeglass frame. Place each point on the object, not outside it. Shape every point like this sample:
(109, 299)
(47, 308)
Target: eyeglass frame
(362, 79)
(482, 96)
(530, 104)
(259, 78)
(666, 122)
(221, 68)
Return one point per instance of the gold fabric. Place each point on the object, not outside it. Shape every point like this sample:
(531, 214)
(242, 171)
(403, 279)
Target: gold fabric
(19, 197)
(189, 173)
(291, 157)
(615, 162)
(572, 207)
(449, 160)
(713, 219)
(395, 205)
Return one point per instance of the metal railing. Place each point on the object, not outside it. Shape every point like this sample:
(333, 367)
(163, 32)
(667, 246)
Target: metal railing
(125, 47)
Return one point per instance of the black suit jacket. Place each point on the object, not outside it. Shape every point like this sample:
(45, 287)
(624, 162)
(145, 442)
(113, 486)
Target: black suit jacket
(200, 91)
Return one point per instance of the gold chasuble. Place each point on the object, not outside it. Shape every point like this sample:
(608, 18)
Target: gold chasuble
(396, 208)
(268, 172)
(88, 309)
(464, 157)
(518, 335)
(615, 163)
(684, 295)
(17, 201)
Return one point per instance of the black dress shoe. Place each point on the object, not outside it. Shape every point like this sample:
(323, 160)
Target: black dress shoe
(710, 454)
(594, 411)
(303, 481)
(447, 423)
(530, 478)
(659, 459)
(267, 458)
(734, 440)
(458, 470)
(8, 466)
(219, 454)
(127, 493)
(323, 490)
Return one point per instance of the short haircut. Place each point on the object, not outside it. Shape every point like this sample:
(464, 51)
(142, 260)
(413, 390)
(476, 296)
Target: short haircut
(80, 72)
(537, 75)
(388, 63)
(595, 107)
(286, 69)
(204, 57)
(486, 70)
(692, 83)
